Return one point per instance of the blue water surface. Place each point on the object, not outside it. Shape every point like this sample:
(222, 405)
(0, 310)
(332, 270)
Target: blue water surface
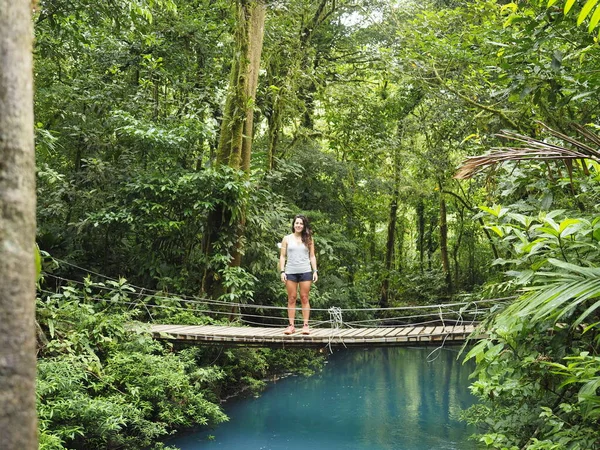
(373, 399)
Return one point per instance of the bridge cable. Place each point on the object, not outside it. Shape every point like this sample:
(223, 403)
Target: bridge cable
(247, 305)
(242, 315)
(335, 317)
(335, 313)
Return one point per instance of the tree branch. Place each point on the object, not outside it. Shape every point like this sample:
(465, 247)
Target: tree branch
(476, 104)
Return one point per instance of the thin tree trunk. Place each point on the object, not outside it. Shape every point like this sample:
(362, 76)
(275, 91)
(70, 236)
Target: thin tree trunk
(480, 220)
(286, 79)
(391, 232)
(456, 247)
(307, 93)
(444, 241)
(18, 423)
(400, 230)
(274, 125)
(420, 210)
(471, 271)
(431, 244)
(389, 252)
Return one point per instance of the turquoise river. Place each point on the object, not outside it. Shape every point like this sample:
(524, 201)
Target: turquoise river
(364, 399)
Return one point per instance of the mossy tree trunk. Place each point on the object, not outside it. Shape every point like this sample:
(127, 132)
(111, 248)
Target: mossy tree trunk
(389, 253)
(444, 240)
(18, 423)
(235, 141)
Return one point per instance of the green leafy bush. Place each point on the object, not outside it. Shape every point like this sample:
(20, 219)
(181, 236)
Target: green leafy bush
(103, 382)
(537, 371)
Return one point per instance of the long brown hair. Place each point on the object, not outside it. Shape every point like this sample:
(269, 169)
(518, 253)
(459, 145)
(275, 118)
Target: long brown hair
(306, 231)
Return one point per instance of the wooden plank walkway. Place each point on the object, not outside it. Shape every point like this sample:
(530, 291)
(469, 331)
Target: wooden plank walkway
(319, 337)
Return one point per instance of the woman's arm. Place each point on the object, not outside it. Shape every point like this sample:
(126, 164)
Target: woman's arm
(313, 261)
(282, 255)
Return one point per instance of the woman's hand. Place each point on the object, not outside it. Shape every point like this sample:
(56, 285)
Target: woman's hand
(315, 276)
(283, 277)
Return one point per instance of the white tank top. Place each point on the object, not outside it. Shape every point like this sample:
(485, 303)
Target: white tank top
(298, 258)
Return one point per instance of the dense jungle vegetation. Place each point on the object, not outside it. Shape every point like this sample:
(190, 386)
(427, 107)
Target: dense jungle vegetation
(176, 139)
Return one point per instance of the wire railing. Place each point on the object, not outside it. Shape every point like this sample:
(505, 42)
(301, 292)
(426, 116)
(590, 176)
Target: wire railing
(252, 314)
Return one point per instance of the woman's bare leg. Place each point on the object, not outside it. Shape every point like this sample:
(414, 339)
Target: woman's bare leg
(292, 292)
(304, 291)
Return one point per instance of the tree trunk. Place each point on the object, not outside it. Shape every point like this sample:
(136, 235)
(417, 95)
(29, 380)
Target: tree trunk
(471, 238)
(391, 231)
(307, 93)
(444, 241)
(18, 423)
(420, 211)
(429, 237)
(235, 141)
(457, 245)
(400, 230)
(274, 125)
(255, 37)
(256, 28)
(389, 253)
(285, 77)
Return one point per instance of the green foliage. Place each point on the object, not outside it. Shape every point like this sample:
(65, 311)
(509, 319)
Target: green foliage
(531, 241)
(585, 11)
(527, 398)
(101, 386)
(128, 104)
(104, 383)
(537, 373)
(362, 112)
(155, 213)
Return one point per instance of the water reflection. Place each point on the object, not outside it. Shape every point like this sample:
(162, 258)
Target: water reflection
(387, 398)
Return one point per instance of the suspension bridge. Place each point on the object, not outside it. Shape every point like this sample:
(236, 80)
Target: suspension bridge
(263, 325)
(318, 337)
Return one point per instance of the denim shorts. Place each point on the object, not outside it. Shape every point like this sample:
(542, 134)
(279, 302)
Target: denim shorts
(299, 277)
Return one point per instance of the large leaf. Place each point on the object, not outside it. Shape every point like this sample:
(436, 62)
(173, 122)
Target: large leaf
(586, 313)
(583, 13)
(568, 5)
(594, 20)
(583, 271)
(533, 150)
(569, 299)
(587, 8)
(564, 291)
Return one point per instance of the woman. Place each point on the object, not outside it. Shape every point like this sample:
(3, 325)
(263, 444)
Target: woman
(299, 250)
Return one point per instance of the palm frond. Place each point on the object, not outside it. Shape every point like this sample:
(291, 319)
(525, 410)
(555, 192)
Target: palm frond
(560, 294)
(533, 150)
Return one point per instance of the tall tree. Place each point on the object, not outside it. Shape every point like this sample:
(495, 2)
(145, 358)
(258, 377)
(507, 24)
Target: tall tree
(18, 423)
(235, 141)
